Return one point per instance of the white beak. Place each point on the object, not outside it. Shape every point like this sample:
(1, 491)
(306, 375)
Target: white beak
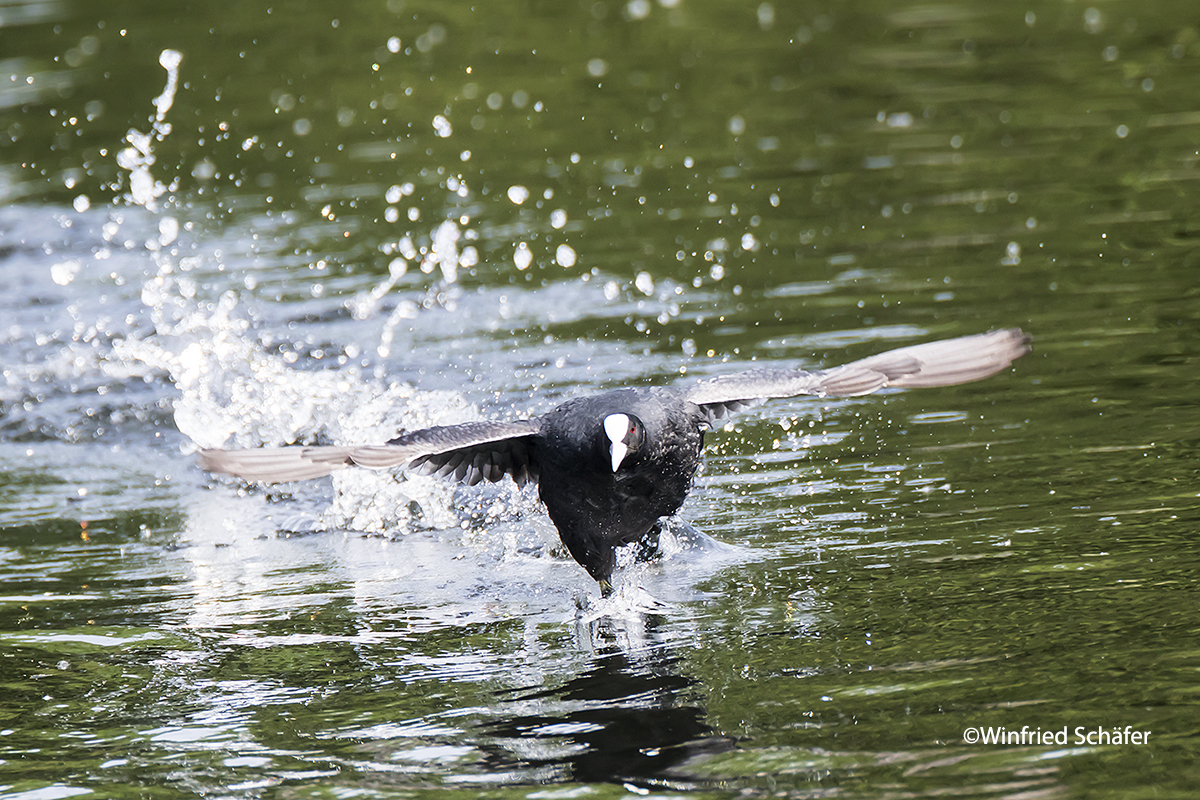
(619, 450)
(616, 428)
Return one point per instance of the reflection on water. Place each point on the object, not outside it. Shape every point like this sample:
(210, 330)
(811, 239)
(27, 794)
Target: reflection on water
(627, 720)
(347, 222)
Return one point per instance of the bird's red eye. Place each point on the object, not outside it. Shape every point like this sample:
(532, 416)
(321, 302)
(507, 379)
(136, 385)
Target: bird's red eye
(635, 435)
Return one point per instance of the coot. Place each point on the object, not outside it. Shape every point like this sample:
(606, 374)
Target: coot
(610, 466)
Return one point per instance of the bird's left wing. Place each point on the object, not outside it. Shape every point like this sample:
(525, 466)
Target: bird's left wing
(942, 363)
(470, 452)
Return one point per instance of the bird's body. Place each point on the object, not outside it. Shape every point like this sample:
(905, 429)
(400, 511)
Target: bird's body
(597, 508)
(610, 466)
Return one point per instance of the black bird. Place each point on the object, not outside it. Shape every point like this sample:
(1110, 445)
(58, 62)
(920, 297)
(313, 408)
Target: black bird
(610, 466)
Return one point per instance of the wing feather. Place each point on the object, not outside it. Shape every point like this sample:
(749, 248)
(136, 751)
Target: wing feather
(277, 464)
(941, 363)
(471, 452)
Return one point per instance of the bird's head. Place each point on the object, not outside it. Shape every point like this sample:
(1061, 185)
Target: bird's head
(624, 434)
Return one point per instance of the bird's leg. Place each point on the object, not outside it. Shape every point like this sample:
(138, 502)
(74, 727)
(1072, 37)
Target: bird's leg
(647, 546)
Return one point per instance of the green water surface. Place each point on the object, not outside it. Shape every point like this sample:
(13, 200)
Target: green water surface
(737, 184)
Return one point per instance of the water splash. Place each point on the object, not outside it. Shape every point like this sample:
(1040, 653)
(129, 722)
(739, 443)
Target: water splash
(138, 157)
(443, 255)
(365, 304)
(234, 392)
(444, 252)
(170, 60)
(630, 602)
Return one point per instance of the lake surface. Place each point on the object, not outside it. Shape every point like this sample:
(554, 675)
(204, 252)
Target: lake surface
(254, 223)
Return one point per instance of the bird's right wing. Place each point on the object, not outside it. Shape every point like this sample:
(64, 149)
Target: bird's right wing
(470, 452)
(943, 363)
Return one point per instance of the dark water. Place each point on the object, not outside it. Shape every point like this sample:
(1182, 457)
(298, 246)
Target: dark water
(352, 218)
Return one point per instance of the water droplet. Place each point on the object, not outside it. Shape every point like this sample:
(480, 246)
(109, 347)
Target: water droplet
(565, 255)
(523, 256)
(644, 283)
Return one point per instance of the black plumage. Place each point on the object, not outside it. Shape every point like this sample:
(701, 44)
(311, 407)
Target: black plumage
(610, 466)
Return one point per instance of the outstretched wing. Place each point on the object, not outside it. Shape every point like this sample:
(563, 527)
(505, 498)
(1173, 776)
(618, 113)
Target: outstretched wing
(944, 363)
(277, 464)
(471, 452)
